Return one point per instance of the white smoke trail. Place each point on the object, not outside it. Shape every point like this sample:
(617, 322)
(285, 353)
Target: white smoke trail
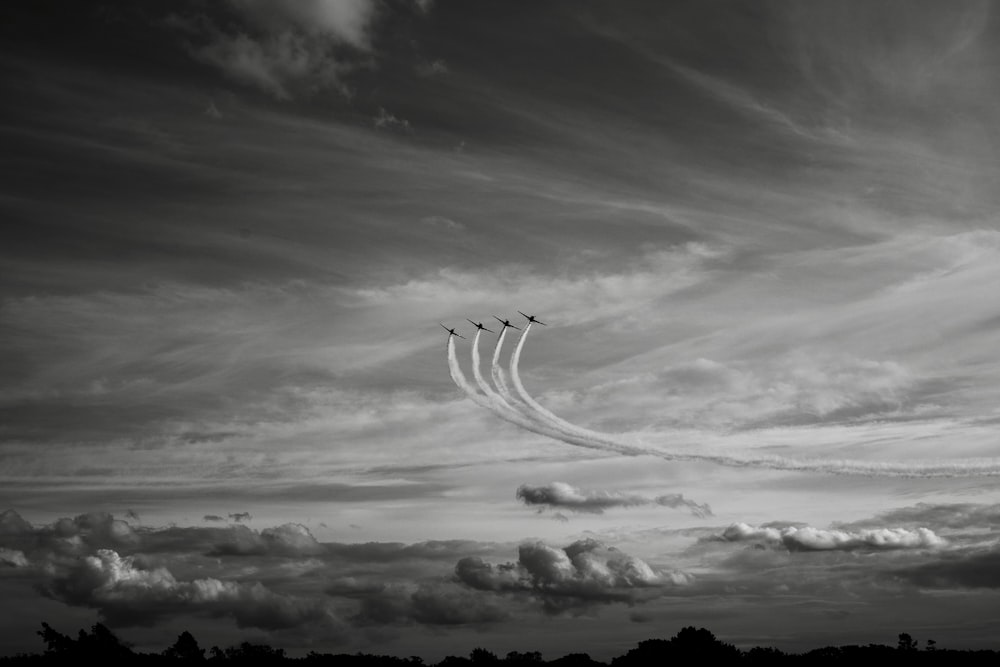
(509, 414)
(495, 371)
(574, 435)
(458, 377)
(496, 399)
(547, 416)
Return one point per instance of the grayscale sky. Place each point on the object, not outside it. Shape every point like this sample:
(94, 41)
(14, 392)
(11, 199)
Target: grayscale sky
(759, 230)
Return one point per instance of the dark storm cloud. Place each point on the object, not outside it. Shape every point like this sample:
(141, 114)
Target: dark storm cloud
(563, 495)
(584, 573)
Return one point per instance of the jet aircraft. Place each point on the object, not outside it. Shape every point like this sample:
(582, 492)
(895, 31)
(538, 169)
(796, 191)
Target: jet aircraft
(506, 323)
(451, 332)
(531, 318)
(479, 325)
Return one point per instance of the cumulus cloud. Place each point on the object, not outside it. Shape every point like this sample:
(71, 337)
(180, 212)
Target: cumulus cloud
(583, 573)
(807, 538)
(67, 536)
(240, 516)
(256, 577)
(563, 495)
(12, 523)
(290, 539)
(126, 595)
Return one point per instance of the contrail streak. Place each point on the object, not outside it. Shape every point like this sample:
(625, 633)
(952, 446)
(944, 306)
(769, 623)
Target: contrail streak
(550, 424)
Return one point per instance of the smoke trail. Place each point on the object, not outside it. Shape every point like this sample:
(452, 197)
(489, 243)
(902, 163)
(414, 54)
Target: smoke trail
(545, 414)
(497, 400)
(574, 435)
(497, 373)
(458, 377)
(509, 414)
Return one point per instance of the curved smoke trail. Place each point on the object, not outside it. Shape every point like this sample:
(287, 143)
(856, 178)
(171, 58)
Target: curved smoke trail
(554, 426)
(496, 399)
(511, 415)
(538, 408)
(499, 379)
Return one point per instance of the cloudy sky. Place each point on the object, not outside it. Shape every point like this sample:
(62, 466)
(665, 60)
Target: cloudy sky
(763, 236)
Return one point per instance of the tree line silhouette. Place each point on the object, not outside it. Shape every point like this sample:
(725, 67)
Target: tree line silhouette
(688, 645)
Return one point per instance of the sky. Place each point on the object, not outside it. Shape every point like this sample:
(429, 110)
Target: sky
(762, 236)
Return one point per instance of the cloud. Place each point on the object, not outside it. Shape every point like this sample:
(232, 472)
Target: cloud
(807, 538)
(240, 516)
(952, 516)
(386, 552)
(443, 223)
(286, 50)
(802, 387)
(127, 595)
(343, 20)
(583, 573)
(213, 517)
(67, 536)
(12, 558)
(427, 604)
(11, 523)
(563, 495)
(976, 567)
(290, 539)
(387, 121)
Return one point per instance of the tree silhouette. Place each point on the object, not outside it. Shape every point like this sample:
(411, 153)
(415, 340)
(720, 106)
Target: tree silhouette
(56, 643)
(689, 644)
(99, 644)
(185, 648)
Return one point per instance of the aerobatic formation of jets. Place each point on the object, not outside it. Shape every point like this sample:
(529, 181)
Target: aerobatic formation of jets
(506, 323)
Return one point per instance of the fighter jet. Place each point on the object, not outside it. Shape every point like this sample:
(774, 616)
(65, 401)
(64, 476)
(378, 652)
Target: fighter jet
(451, 332)
(506, 323)
(531, 318)
(478, 325)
